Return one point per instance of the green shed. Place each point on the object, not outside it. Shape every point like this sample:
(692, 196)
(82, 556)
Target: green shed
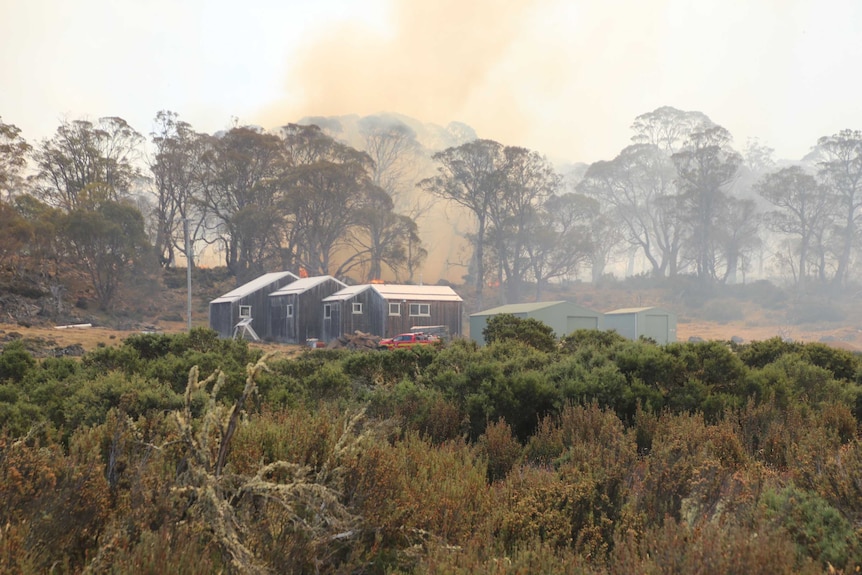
(634, 322)
(562, 316)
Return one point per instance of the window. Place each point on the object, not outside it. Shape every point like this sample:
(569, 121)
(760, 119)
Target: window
(357, 308)
(245, 311)
(289, 310)
(395, 309)
(420, 309)
(327, 311)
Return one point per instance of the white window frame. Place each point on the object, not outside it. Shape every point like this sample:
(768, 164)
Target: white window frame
(394, 308)
(357, 308)
(327, 311)
(245, 311)
(418, 310)
(288, 310)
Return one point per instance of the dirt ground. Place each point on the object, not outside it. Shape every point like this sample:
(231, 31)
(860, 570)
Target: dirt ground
(90, 338)
(845, 337)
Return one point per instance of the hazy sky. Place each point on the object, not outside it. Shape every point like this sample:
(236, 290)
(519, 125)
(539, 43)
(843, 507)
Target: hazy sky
(565, 78)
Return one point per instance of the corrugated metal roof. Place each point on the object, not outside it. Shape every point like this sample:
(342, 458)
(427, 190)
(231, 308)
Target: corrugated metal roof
(304, 284)
(517, 308)
(252, 286)
(347, 292)
(399, 291)
(630, 310)
(417, 293)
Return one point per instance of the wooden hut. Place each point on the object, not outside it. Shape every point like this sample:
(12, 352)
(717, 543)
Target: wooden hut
(247, 305)
(295, 309)
(387, 310)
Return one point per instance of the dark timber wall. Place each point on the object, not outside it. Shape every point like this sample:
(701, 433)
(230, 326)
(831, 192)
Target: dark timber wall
(224, 311)
(307, 319)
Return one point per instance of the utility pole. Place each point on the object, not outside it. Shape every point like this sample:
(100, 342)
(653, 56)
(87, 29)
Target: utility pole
(189, 264)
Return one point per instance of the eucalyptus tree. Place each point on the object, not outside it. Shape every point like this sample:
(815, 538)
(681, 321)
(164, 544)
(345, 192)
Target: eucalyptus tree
(380, 237)
(841, 170)
(326, 189)
(560, 237)
(705, 167)
(391, 144)
(178, 187)
(803, 212)
(14, 150)
(82, 156)
(108, 238)
(527, 181)
(738, 234)
(469, 176)
(668, 128)
(240, 174)
(45, 246)
(16, 233)
(638, 186)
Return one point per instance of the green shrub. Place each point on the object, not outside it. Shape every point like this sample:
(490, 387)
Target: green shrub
(841, 363)
(530, 331)
(417, 408)
(591, 337)
(151, 345)
(818, 529)
(133, 395)
(387, 368)
(759, 354)
(711, 363)
(329, 382)
(649, 364)
(15, 362)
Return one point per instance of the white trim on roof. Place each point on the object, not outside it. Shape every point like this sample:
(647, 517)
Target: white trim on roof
(626, 310)
(399, 292)
(303, 284)
(252, 286)
(416, 293)
(347, 293)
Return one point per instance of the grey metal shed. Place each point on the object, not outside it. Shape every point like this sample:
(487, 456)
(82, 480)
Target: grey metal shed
(652, 322)
(248, 301)
(562, 316)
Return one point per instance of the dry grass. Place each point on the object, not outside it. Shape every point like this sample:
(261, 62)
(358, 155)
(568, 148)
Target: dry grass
(842, 336)
(89, 338)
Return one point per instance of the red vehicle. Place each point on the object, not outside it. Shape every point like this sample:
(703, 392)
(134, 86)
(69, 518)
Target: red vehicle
(407, 340)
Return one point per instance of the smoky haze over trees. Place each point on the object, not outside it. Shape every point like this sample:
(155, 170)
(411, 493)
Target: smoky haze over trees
(379, 196)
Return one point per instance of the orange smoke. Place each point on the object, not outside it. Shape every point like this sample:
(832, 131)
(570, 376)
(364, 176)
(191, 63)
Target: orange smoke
(437, 57)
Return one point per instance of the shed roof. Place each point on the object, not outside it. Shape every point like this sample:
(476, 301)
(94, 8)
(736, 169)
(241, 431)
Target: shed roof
(399, 291)
(626, 310)
(304, 284)
(252, 286)
(517, 308)
(347, 293)
(416, 293)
